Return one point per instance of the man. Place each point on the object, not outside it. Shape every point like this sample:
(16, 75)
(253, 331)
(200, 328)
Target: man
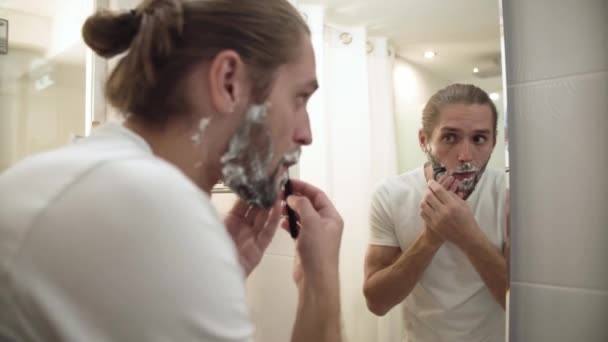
(114, 238)
(438, 232)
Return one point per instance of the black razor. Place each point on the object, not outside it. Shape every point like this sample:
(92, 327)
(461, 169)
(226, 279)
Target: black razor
(291, 214)
(437, 170)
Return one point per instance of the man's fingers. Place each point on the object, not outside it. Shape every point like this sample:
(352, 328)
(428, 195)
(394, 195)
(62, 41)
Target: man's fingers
(426, 206)
(319, 201)
(240, 208)
(425, 217)
(431, 200)
(259, 220)
(273, 221)
(304, 189)
(302, 206)
(454, 186)
(440, 192)
(447, 181)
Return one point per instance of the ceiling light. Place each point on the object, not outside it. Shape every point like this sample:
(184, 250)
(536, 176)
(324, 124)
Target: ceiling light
(475, 70)
(429, 54)
(494, 96)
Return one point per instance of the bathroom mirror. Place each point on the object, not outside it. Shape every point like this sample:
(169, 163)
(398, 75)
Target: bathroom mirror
(379, 63)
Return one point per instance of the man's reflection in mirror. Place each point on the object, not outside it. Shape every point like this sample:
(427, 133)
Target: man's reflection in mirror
(438, 232)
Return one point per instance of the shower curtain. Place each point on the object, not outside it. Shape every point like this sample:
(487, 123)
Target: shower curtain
(354, 148)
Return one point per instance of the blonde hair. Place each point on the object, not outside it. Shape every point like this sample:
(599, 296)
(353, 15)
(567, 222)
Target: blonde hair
(164, 39)
(452, 94)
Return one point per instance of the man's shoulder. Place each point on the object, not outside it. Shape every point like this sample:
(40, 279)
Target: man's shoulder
(495, 180)
(401, 185)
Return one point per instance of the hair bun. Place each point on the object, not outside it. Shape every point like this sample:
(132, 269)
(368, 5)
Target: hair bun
(152, 28)
(110, 33)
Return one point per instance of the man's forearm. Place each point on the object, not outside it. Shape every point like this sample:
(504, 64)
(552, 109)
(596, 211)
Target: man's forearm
(391, 285)
(490, 264)
(318, 315)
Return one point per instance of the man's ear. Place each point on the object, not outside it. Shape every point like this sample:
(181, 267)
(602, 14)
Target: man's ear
(422, 139)
(227, 81)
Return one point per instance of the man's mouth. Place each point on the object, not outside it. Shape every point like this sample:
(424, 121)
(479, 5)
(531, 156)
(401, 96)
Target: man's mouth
(463, 175)
(284, 166)
(290, 159)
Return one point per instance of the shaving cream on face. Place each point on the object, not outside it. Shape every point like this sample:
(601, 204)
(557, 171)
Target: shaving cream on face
(247, 164)
(198, 136)
(438, 168)
(466, 186)
(202, 125)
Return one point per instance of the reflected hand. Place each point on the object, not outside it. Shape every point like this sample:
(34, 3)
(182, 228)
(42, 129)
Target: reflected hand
(252, 230)
(448, 215)
(449, 183)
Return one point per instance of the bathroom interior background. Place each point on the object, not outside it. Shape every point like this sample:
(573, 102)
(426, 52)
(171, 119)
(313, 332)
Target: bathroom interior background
(376, 71)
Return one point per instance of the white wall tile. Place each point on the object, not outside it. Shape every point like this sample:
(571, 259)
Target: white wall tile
(548, 38)
(272, 297)
(558, 180)
(550, 314)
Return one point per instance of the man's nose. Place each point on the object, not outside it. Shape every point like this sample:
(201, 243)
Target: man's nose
(465, 154)
(303, 132)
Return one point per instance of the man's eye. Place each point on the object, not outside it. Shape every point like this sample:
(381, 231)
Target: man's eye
(480, 139)
(448, 139)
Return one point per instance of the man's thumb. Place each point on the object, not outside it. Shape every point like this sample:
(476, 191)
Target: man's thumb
(301, 205)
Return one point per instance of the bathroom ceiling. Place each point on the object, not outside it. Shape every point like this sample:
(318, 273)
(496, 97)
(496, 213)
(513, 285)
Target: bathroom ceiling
(464, 34)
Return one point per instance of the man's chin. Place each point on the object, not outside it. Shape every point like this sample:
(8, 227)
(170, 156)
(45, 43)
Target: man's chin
(264, 201)
(262, 194)
(468, 186)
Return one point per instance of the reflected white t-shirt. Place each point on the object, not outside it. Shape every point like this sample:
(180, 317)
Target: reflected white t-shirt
(103, 241)
(450, 302)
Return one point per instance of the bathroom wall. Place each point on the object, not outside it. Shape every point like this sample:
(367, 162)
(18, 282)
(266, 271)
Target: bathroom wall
(42, 104)
(42, 79)
(413, 87)
(557, 86)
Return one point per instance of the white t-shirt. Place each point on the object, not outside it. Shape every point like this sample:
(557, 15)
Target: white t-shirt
(103, 241)
(450, 302)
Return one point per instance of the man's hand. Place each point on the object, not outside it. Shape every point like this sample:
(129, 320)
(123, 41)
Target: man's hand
(445, 213)
(318, 242)
(316, 269)
(252, 230)
(450, 184)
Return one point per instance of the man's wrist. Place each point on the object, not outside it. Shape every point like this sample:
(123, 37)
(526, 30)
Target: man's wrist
(323, 294)
(473, 241)
(431, 239)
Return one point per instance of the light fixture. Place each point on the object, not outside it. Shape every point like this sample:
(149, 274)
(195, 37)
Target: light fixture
(494, 96)
(475, 70)
(429, 54)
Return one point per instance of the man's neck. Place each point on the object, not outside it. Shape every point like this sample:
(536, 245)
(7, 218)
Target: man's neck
(173, 144)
